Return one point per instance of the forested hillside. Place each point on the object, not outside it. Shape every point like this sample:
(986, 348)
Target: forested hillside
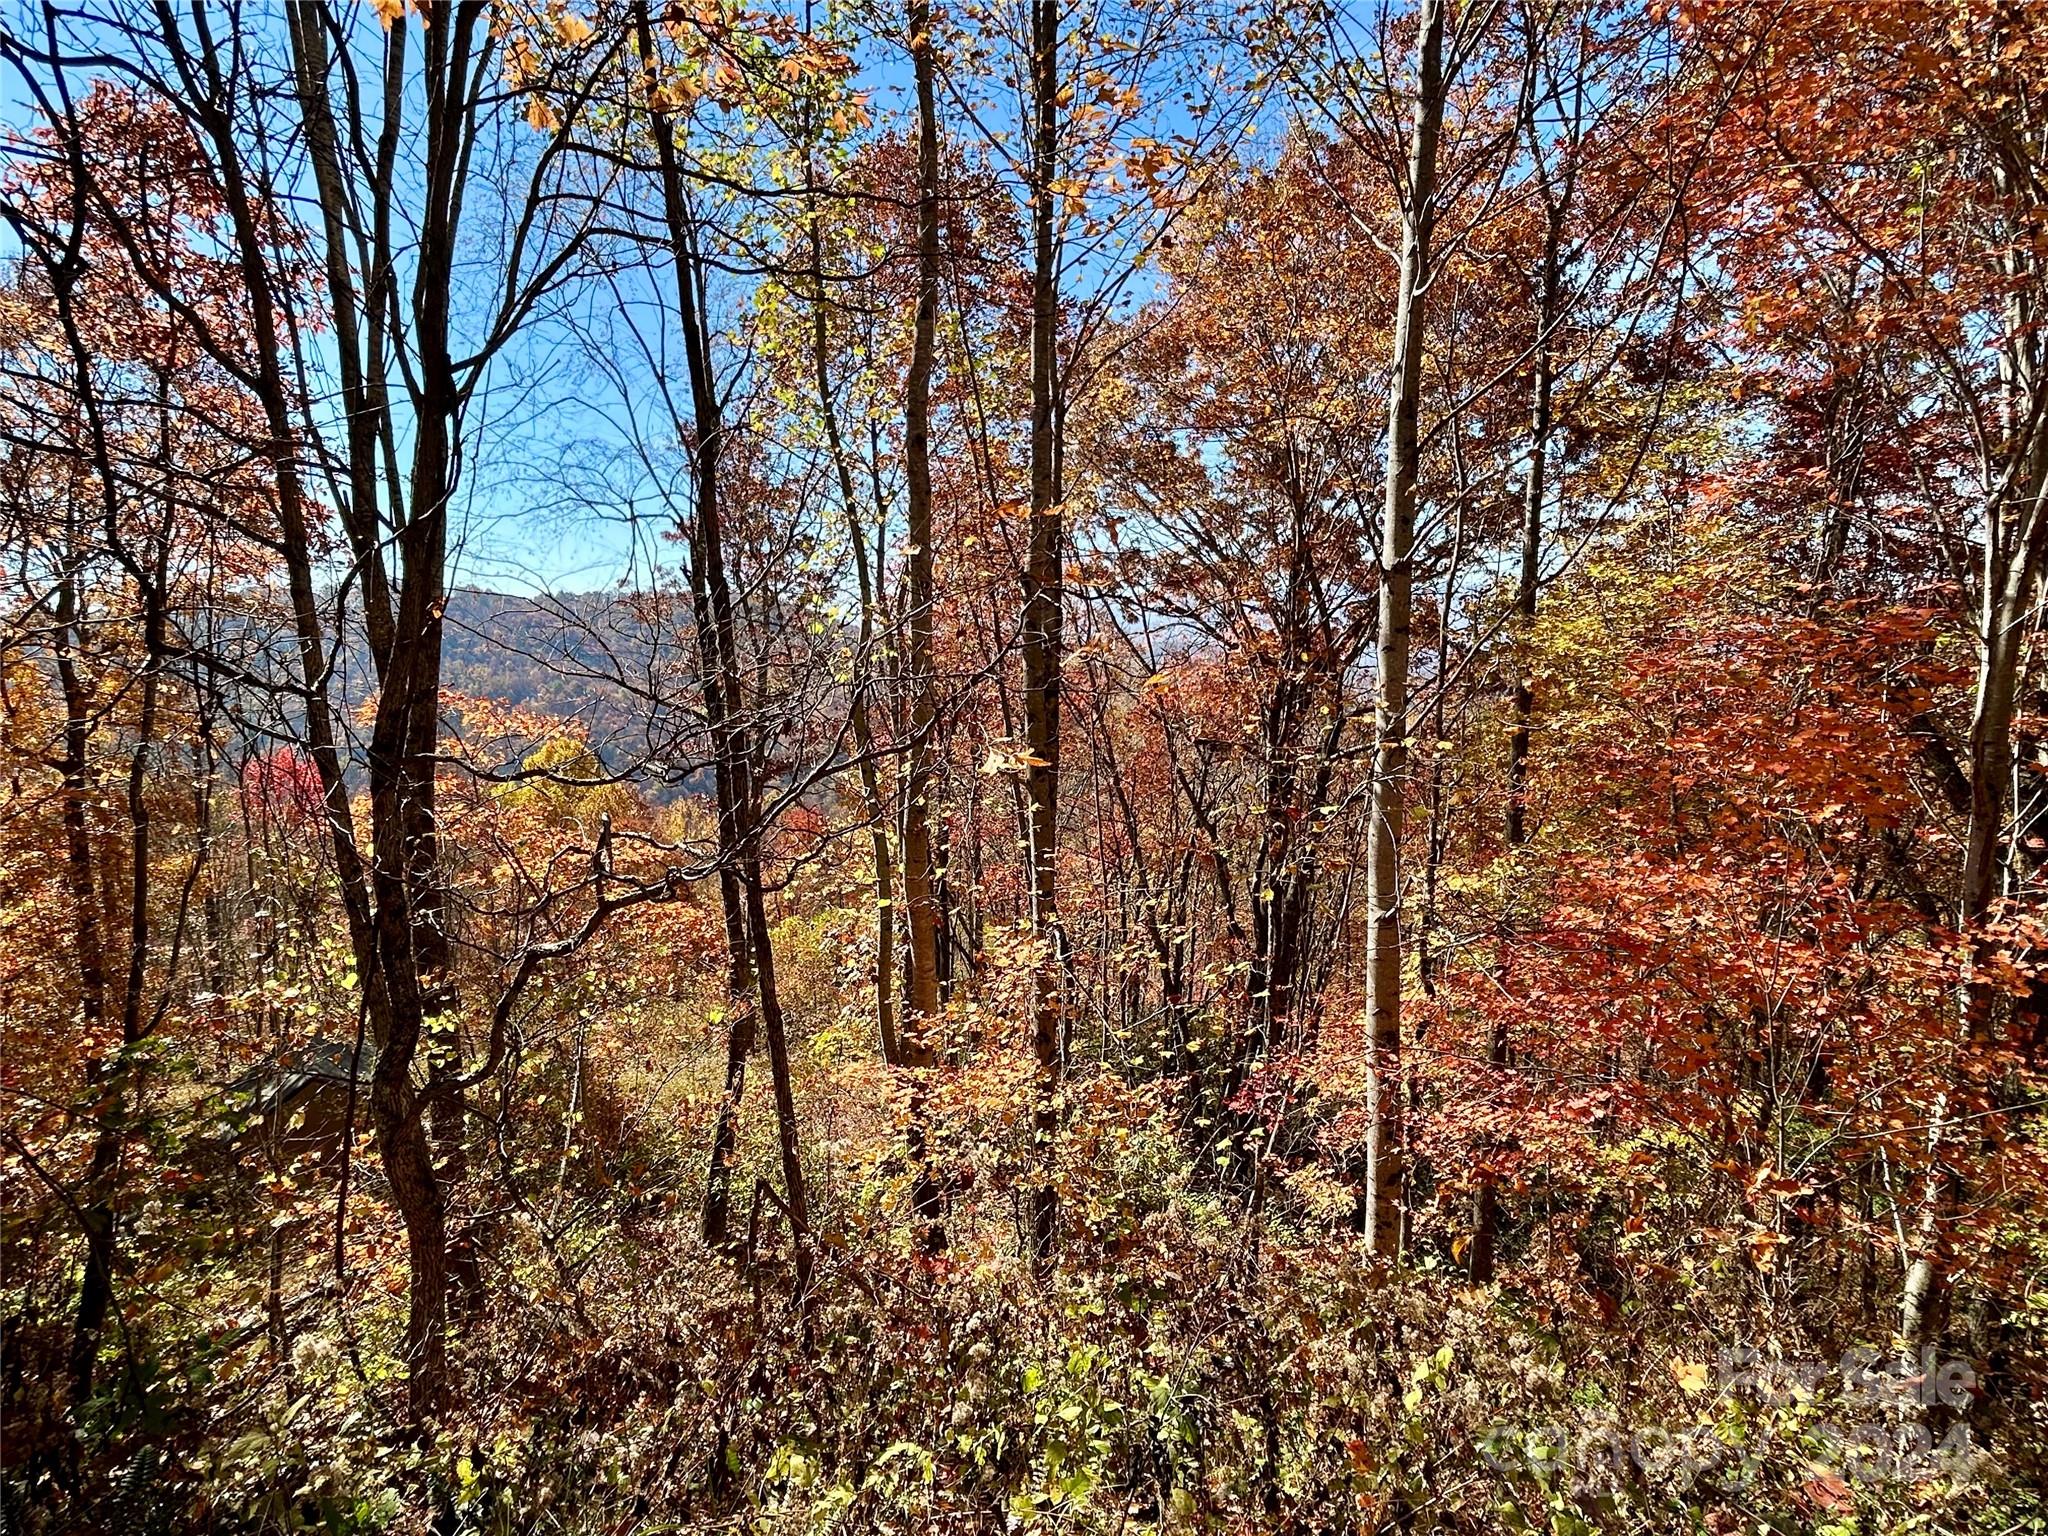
(596, 665)
(1310, 794)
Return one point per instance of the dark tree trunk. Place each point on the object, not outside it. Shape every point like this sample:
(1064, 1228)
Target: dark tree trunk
(919, 865)
(1044, 601)
(740, 832)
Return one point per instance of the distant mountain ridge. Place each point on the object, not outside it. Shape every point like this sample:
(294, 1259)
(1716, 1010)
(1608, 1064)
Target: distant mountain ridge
(599, 659)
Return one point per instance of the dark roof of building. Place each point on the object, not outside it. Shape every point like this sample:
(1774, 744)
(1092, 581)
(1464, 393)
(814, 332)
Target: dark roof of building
(289, 1075)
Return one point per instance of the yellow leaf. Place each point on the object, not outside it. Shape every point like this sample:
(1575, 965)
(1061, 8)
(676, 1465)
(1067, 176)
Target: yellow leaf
(1690, 1375)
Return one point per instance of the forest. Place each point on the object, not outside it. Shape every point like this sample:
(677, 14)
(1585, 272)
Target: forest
(1107, 767)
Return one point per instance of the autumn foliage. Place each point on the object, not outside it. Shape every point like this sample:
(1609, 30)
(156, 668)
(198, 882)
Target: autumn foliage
(1006, 767)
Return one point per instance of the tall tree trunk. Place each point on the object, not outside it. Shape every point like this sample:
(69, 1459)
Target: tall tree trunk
(733, 750)
(96, 1287)
(112, 1088)
(402, 940)
(919, 866)
(1385, 1152)
(405, 748)
(1044, 596)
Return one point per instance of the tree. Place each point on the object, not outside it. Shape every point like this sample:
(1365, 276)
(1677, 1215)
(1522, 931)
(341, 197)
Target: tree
(124, 450)
(1936, 249)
